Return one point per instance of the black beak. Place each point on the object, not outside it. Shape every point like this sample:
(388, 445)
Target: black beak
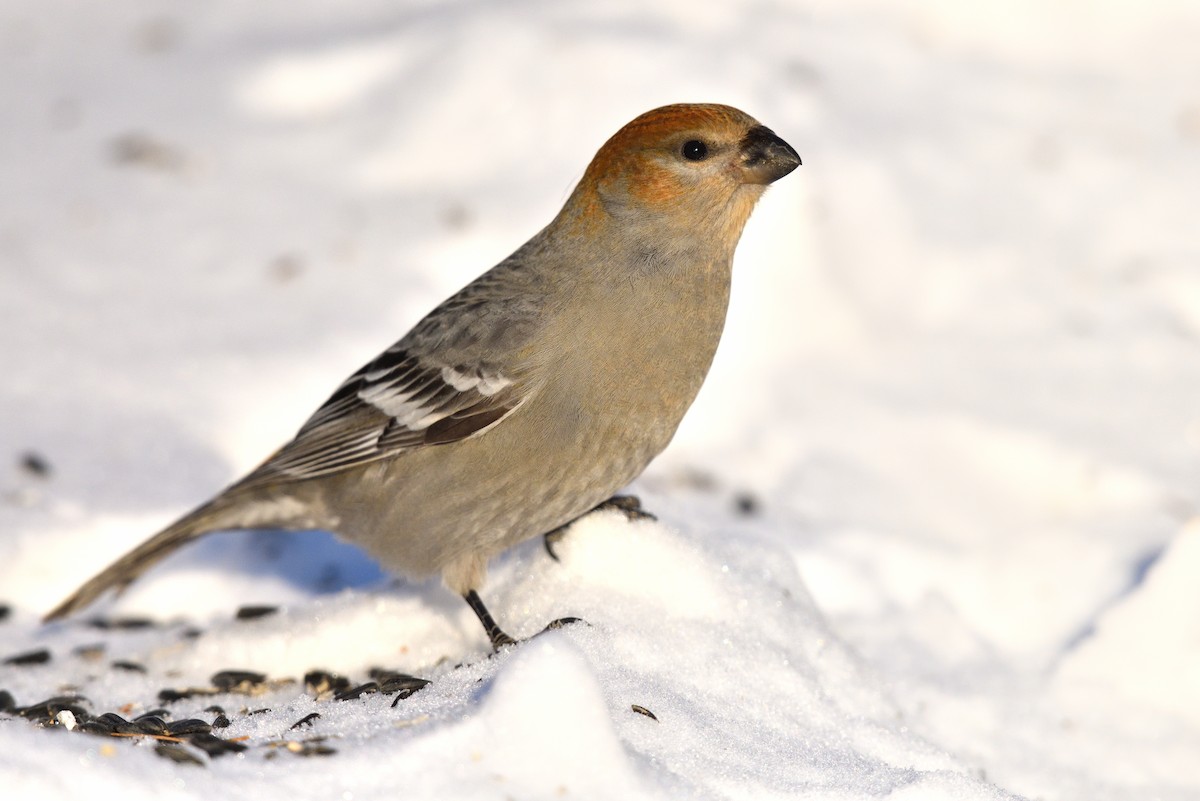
(765, 157)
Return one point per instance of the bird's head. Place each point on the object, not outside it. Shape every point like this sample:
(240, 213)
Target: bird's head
(688, 171)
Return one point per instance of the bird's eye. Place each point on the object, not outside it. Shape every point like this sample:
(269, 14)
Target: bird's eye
(695, 150)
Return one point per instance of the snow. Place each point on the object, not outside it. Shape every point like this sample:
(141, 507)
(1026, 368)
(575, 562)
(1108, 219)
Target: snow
(958, 391)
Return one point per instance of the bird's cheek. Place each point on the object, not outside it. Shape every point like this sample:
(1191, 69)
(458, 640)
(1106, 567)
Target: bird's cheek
(656, 189)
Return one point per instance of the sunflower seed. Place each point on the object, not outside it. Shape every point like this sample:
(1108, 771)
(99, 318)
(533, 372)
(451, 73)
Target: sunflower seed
(39, 657)
(641, 710)
(237, 681)
(747, 504)
(319, 682)
(188, 726)
(121, 623)
(307, 720)
(35, 464)
(177, 753)
(403, 685)
(151, 724)
(254, 612)
(111, 723)
(91, 652)
(44, 711)
(214, 746)
(355, 692)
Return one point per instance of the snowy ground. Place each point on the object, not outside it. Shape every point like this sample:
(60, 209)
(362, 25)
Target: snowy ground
(932, 530)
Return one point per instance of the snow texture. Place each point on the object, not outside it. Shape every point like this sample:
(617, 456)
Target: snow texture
(932, 530)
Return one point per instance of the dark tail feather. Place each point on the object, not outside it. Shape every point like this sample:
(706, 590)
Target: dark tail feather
(216, 515)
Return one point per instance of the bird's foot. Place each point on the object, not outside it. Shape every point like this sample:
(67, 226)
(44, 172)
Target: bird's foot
(629, 505)
(503, 641)
(497, 635)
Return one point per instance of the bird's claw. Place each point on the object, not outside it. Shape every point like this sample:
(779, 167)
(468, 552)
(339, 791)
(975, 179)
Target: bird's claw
(561, 623)
(629, 505)
(502, 640)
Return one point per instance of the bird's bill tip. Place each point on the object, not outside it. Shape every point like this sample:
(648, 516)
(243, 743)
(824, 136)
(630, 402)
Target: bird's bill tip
(765, 157)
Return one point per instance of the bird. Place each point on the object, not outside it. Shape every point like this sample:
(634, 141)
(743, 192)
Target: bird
(535, 392)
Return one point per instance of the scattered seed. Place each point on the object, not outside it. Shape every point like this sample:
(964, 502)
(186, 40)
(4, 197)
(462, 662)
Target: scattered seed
(237, 681)
(92, 727)
(92, 652)
(35, 464)
(253, 612)
(312, 746)
(322, 682)
(111, 719)
(191, 633)
(152, 724)
(170, 696)
(307, 720)
(401, 683)
(747, 504)
(112, 723)
(262, 711)
(162, 738)
(215, 708)
(45, 711)
(7, 702)
(39, 657)
(143, 150)
(5, 611)
(121, 623)
(355, 692)
(187, 727)
(177, 753)
(641, 710)
(132, 667)
(214, 746)
(220, 722)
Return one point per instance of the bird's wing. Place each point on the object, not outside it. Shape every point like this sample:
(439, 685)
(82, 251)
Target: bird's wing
(461, 370)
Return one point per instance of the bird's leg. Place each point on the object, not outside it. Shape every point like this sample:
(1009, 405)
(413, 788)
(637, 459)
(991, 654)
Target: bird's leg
(631, 505)
(494, 632)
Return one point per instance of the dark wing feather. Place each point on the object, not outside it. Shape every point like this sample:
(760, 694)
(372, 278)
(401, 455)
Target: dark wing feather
(396, 403)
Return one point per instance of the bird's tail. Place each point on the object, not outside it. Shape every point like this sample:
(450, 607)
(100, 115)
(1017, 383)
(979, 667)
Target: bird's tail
(220, 514)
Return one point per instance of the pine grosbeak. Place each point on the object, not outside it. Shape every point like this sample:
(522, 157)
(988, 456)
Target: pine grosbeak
(536, 391)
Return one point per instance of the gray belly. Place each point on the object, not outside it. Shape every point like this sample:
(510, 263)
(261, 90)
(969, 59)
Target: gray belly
(426, 508)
